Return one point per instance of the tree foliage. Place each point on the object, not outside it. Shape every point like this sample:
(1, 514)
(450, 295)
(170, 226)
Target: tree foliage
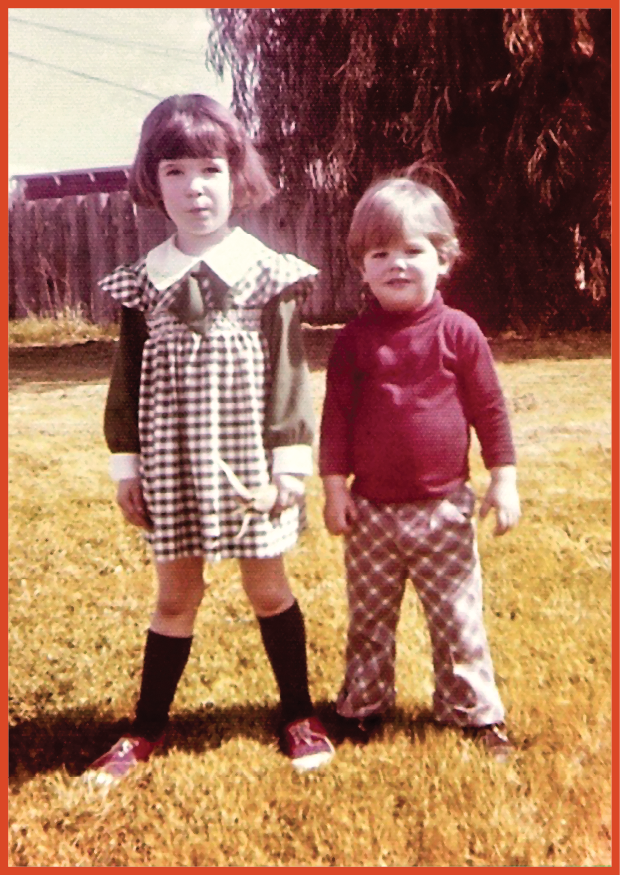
(514, 105)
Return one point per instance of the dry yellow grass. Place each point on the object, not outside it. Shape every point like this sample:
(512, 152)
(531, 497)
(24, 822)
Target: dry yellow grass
(67, 326)
(222, 795)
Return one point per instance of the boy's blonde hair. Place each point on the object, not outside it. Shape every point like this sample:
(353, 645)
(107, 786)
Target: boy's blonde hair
(396, 208)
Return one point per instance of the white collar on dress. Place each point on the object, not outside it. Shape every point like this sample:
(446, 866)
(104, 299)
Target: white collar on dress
(230, 260)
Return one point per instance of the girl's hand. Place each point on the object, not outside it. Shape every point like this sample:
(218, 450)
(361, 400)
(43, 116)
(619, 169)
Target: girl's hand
(503, 496)
(290, 491)
(339, 513)
(130, 499)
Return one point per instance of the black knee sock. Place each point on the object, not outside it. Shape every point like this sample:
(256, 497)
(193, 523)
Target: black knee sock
(164, 661)
(284, 638)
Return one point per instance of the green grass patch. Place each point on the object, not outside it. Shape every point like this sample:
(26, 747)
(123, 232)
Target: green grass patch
(81, 589)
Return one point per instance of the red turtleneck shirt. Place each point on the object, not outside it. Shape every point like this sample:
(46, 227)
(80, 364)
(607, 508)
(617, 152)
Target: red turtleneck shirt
(403, 390)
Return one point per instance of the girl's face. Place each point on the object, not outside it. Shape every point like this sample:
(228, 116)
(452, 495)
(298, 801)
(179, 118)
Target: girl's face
(403, 275)
(197, 195)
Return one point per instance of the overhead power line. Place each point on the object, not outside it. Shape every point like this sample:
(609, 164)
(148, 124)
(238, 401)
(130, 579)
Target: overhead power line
(148, 47)
(84, 75)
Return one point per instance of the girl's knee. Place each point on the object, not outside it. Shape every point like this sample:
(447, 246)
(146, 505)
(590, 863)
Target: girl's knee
(181, 587)
(267, 601)
(179, 604)
(266, 586)
(267, 605)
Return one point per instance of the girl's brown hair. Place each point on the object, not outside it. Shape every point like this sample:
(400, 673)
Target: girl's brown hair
(196, 126)
(397, 207)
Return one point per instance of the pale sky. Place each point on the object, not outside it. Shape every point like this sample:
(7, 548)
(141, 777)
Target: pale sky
(81, 81)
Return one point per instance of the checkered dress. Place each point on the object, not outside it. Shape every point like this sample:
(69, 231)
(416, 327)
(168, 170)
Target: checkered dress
(202, 395)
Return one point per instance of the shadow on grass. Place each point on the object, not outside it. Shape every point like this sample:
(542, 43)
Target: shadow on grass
(91, 360)
(74, 738)
(396, 721)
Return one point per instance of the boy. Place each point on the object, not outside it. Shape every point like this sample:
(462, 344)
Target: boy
(406, 381)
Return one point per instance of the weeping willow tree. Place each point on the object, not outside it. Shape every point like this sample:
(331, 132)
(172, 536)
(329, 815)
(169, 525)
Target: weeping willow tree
(513, 104)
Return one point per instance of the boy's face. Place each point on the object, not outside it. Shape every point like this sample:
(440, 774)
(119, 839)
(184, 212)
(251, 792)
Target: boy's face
(403, 275)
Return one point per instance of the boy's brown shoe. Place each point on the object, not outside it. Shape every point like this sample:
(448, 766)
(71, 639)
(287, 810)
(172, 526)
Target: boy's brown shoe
(494, 739)
(359, 730)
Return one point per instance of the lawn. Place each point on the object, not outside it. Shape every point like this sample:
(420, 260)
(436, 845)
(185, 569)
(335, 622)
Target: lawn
(81, 590)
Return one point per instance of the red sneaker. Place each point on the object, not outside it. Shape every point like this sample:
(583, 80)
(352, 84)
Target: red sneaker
(306, 743)
(121, 759)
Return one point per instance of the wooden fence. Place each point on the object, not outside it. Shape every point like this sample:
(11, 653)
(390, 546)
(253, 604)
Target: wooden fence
(60, 248)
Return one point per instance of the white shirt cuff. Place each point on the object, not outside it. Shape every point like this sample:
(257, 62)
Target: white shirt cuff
(296, 459)
(124, 466)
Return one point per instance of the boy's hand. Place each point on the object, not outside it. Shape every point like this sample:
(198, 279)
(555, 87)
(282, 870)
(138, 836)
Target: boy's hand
(130, 499)
(339, 512)
(502, 495)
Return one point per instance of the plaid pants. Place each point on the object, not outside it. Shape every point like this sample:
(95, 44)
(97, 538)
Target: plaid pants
(433, 543)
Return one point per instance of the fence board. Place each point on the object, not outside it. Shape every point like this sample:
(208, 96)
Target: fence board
(11, 267)
(77, 255)
(26, 286)
(97, 245)
(123, 228)
(49, 250)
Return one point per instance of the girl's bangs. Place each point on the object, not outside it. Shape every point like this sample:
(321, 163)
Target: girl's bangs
(187, 137)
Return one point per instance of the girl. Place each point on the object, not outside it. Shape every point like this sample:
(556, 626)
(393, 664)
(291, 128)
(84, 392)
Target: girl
(406, 381)
(209, 415)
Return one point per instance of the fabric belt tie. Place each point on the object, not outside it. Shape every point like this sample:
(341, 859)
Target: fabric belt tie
(259, 500)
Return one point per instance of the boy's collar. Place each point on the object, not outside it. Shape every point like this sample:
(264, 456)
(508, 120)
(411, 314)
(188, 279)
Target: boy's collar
(230, 260)
(406, 317)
